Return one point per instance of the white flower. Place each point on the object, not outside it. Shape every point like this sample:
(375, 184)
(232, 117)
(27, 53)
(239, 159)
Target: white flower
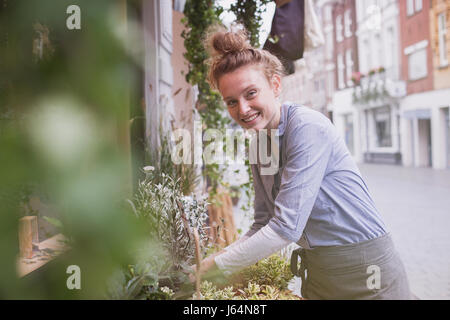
(149, 168)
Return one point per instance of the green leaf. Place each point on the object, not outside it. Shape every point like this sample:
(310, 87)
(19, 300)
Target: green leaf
(54, 222)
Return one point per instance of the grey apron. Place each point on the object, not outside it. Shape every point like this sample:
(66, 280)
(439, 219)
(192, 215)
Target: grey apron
(367, 270)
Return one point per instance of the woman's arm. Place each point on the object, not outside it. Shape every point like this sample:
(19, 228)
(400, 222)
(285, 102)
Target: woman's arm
(309, 147)
(261, 214)
(244, 252)
(262, 244)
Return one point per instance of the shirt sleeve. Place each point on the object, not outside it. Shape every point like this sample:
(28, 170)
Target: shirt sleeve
(261, 215)
(262, 244)
(308, 150)
(243, 238)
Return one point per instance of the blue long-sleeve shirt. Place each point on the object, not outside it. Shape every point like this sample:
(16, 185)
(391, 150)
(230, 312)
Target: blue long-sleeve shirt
(317, 197)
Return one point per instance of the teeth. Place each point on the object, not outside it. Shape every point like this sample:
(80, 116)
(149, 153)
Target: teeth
(251, 118)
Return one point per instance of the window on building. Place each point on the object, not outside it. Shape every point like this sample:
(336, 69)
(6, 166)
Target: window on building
(418, 5)
(368, 55)
(378, 51)
(442, 34)
(348, 23)
(349, 66)
(413, 6)
(330, 84)
(382, 119)
(339, 28)
(409, 7)
(390, 56)
(341, 69)
(329, 45)
(417, 64)
(360, 10)
(327, 13)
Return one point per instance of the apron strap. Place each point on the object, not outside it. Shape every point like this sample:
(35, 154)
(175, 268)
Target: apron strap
(300, 252)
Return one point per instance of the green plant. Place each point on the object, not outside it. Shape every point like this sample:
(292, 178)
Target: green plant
(252, 291)
(266, 280)
(209, 291)
(249, 14)
(199, 16)
(163, 164)
(170, 216)
(143, 280)
(272, 271)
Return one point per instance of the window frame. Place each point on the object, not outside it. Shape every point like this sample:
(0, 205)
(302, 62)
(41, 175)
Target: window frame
(442, 40)
(417, 7)
(341, 71)
(410, 56)
(339, 29)
(348, 23)
(410, 7)
(349, 66)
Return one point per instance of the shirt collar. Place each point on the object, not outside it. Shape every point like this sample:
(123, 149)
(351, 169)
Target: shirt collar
(283, 118)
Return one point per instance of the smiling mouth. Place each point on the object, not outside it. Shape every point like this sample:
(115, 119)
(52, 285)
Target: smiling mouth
(251, 118)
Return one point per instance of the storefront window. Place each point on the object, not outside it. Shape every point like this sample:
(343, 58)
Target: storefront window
(382, 119)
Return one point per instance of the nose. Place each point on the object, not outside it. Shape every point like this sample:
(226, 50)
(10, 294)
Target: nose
(244, 107)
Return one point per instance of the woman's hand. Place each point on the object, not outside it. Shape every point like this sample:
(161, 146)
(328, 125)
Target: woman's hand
(206, 265)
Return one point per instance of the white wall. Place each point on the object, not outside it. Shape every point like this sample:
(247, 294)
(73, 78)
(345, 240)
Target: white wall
(436, 102)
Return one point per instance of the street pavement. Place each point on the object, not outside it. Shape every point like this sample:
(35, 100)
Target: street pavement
(415, 205)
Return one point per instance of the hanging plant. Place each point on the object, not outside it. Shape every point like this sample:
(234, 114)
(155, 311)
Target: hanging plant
(199, 16)
(249, 14)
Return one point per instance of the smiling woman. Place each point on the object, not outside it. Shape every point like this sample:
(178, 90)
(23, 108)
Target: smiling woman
(317, 199)
(249, 80)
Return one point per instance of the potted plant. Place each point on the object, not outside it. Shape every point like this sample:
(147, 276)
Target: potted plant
(356, 78)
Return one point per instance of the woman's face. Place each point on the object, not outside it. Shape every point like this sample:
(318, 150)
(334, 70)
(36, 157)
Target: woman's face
(251, 99)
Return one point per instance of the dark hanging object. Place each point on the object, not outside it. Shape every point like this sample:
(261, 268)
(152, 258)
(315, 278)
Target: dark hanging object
(286, 39)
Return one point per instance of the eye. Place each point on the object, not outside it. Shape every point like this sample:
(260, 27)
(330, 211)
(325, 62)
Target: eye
(251, 93)
(231, 103)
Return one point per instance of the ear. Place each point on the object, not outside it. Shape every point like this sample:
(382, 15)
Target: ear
(276, 85)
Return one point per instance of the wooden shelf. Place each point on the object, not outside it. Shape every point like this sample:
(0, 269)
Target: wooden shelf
(48, 250)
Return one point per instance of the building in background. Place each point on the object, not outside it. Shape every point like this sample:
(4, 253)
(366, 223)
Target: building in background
(325, 8)
(345, 65)
(417, 71)
(440, 47)
(308, 85)
(383, 77)
(423, 110)
(378, 88)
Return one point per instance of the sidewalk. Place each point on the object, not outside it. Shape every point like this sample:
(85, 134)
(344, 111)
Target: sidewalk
(415, 204)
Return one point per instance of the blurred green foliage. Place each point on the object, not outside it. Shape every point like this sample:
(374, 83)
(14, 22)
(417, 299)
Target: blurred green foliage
(64, 97)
